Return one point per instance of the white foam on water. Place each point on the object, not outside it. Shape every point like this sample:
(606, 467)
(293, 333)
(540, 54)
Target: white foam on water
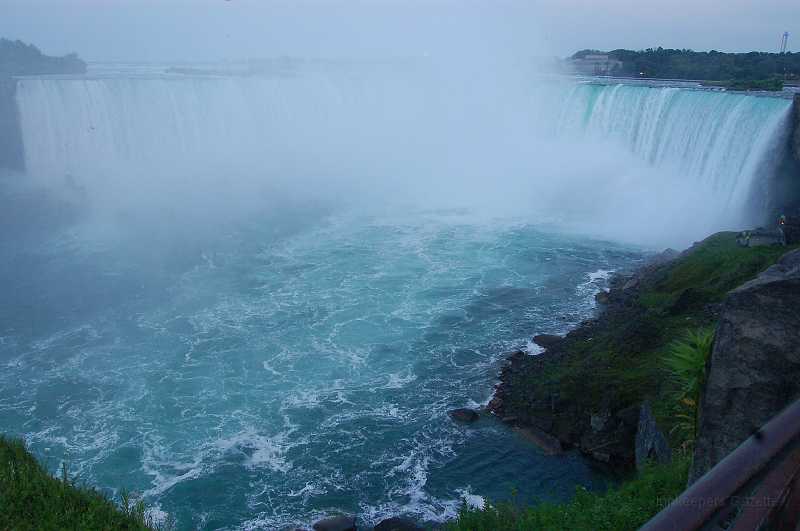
(473, 501)
(532, 349)
(398, 380)
(595, 282)
(156, 516)
(600, 275)
(474, 404)
(384, 412)
(262, 452)
(85, 334)
(307, 492)
(268, 368)
(157, 460)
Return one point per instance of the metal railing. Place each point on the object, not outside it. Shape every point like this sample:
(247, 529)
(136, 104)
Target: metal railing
(757, 486)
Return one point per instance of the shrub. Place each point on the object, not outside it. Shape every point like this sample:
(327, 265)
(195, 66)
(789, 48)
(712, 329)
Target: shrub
(31, 498)
(686, 364)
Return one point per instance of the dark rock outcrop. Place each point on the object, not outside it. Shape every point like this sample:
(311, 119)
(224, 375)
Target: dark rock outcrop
(605, 432)
(790, 226)
(761, 236)
(754, 369)
(610, 436)
(547, 340)
(601, 298)
(336, 523)
(576, 393)
(651, 444)
(397, 523)
(796, 127)
(689, 299)
(464, 415)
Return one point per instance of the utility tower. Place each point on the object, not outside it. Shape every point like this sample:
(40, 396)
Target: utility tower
(784, 41)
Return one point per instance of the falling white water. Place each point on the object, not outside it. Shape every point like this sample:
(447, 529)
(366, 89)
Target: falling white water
(651, 154)
(713, 138)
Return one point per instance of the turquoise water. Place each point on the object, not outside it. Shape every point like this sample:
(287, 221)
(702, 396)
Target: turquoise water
(292, 366)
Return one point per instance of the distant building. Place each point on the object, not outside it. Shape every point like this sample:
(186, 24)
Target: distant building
(596, 64)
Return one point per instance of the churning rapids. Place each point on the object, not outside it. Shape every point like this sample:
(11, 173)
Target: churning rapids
(249, 324)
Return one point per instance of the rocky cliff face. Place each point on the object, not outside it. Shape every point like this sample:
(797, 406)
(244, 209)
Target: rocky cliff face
(568, 392)
(587, 389)
(782, 189)
(754, 370)
(796, 127)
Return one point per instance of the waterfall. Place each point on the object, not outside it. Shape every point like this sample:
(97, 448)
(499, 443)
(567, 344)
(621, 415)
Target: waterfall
(403, 127)
(716, 139)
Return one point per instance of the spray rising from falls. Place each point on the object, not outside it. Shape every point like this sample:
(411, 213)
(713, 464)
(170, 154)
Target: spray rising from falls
(556, 146)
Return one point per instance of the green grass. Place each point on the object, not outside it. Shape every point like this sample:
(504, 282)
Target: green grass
(628, 357)
(30, 498)
(686, 362)
(626, 507)
(714, 268)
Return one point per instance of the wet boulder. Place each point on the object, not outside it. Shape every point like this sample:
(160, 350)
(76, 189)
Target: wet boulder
(397, 523)
(547, 340)
(651, 444)
(761, 237)
(602, 298)
(336, 523)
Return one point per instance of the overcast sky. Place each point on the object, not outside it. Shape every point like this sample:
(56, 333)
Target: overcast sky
(171, 30)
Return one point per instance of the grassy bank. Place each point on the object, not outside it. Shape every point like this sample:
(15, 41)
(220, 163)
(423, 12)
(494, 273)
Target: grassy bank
(626, 507)
(618, 362)
(30, 498)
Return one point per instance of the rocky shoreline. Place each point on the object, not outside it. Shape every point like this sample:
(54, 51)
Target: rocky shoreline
(607, 434)
(348, 523)
(601, 389)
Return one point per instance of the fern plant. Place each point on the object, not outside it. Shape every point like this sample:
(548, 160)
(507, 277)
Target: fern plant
(686, 363)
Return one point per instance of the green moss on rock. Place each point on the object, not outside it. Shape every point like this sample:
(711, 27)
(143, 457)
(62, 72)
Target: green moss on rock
(606, 367)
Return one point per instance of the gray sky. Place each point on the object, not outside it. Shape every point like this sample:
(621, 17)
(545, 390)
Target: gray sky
(169, 30)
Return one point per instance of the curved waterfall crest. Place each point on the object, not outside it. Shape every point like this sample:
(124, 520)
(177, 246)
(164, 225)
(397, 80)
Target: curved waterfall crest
(395, 127)
(711, 137)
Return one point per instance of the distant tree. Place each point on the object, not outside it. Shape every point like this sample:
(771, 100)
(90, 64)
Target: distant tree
(741, 69)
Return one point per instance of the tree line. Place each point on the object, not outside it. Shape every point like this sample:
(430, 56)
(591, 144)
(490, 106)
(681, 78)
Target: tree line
(19, 58)
(665, 63)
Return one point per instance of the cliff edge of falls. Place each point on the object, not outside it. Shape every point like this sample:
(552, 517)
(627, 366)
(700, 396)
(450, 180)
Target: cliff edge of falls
(796, 127)
(589, 389)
